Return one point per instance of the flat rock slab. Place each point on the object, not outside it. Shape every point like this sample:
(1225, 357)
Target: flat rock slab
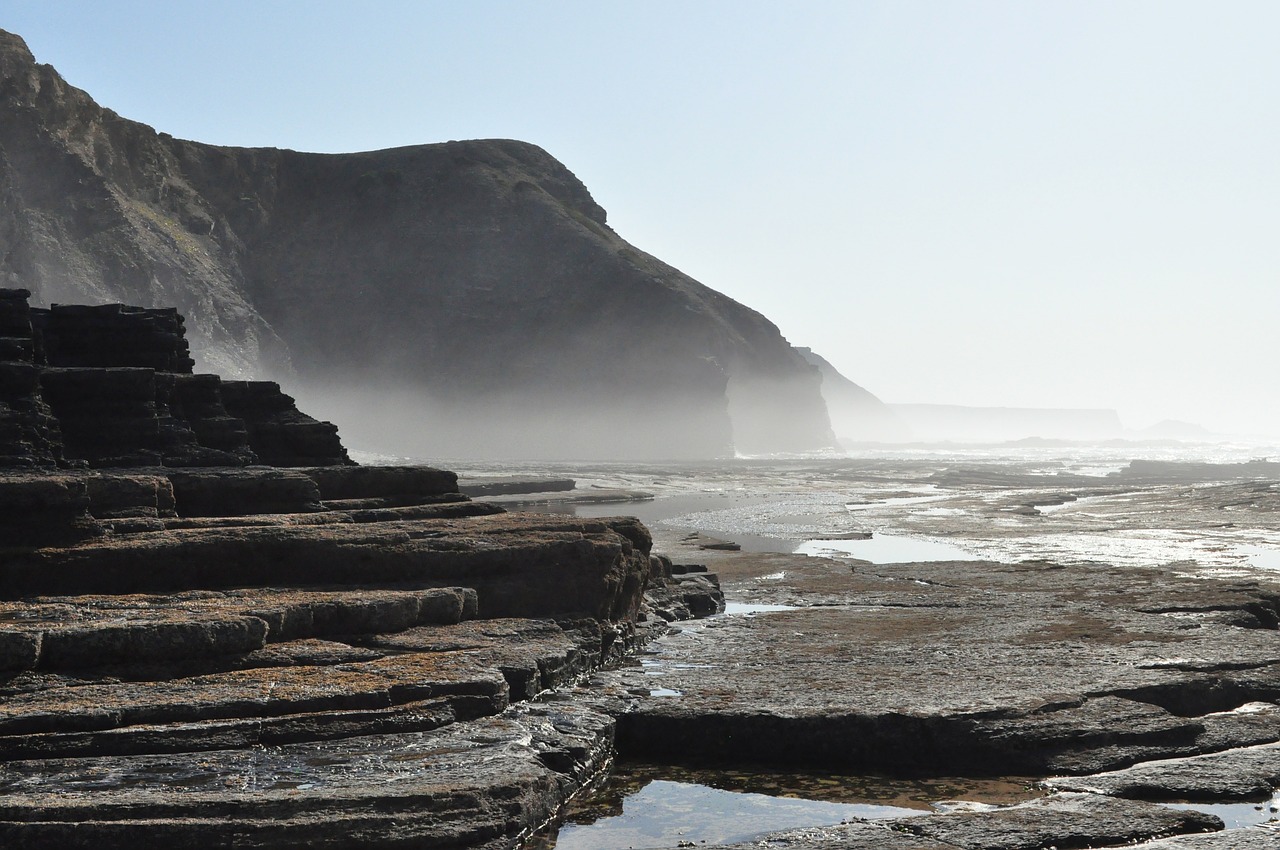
(335, 513)
(900, 688)
(68, 633)
(533, 655)
(484, 784)
(266, 692)
(1264, 837)
(968, 668)
(846, 836)
(305, 689)
(1060, 821)
(234, 492)
(506, 485)
(364, 482)
(520, 564)
(1242, 774)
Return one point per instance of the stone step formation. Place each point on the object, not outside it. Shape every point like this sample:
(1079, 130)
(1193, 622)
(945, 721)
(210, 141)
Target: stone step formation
(112, 386)
(329, 674)
(205, 652)
(29, 433)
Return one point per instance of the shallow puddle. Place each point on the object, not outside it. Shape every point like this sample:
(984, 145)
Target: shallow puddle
(755, 608)
(1236, 815)
(643, 806)
(887, 549)
(1262, 557)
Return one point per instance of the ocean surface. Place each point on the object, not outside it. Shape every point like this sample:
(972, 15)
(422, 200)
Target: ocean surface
(916, 503)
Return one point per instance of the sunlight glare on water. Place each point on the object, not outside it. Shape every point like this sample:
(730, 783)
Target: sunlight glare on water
(665, 813)
(886, 549)
(1262, 557)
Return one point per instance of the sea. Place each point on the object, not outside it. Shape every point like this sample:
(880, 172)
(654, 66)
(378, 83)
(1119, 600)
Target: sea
(913, 503)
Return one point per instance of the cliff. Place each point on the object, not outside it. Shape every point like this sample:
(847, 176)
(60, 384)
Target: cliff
(474, 288)
(856, 414)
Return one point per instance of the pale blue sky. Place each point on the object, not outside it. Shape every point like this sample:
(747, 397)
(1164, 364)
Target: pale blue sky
(1067, 204)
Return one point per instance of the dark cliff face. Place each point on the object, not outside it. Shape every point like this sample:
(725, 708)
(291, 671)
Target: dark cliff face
(465, 298)
(95, 208)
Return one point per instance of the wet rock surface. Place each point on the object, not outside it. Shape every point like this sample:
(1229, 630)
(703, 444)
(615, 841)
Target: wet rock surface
(967, 668)
(487, 783)
(311, 678)
(374, 711)
(1151, 681)
(1062, 821)
(1246, 773)
(1258, 838)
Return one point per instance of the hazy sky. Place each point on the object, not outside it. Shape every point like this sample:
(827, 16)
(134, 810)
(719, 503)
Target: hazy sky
(1066, 204)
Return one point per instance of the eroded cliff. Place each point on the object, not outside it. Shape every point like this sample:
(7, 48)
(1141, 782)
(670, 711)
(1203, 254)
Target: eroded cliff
(473, 289)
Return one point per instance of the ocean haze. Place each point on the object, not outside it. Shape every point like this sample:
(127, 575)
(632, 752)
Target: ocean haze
(980, 204)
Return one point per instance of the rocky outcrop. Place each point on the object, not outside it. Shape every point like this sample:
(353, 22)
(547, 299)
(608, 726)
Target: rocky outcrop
(280, 434)
(195, 402)
(30, 436)
(374, 630)
(111, 386)
(330, 656)
(304, 680)
(474, 288)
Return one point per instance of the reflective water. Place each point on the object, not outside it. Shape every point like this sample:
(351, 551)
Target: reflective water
(887, 549)
(1236, 815)
(754, 608)
(664, 813)
(1262, 557)
(970, 497)
(645, 806)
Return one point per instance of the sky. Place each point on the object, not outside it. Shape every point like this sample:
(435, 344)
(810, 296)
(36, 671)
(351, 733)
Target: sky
(1022, 204)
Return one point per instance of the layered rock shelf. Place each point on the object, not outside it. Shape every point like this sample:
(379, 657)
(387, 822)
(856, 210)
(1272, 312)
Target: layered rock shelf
(297, 652)
(353, 660)
(336, 676)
